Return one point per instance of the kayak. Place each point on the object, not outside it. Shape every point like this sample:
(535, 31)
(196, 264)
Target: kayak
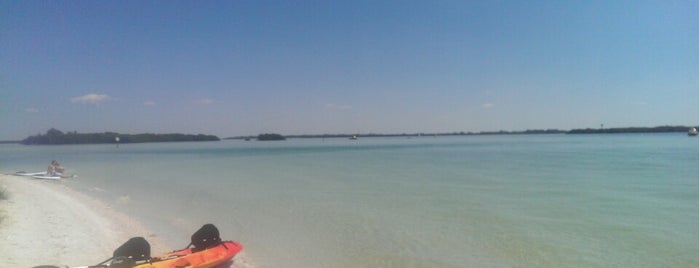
(205, 251)
(57, 177)
(43, 175)
(207, 258)
(29, 174)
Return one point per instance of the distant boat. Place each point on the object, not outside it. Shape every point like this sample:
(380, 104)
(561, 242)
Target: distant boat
(354, 137)
(692, 132)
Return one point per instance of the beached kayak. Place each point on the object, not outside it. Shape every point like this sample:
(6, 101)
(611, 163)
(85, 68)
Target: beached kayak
(40, 175)
(207, 258)
(43, 175)
(48, 177)
(29, 174)
(205, 251)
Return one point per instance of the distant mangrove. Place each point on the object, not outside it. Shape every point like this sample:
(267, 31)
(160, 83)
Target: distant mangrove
(55, 137)
(314, 136)
(270, 137)
(659, 129)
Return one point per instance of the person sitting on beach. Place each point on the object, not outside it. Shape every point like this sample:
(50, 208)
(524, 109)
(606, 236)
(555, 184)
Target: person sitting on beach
(54, 169)
(51, 170)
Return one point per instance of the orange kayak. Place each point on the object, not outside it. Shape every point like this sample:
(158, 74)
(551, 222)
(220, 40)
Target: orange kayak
(207, 258)
(206, 251)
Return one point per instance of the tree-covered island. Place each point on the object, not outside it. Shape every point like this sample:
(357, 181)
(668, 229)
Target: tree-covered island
(56, 137)
(659, 129)
(270, 137)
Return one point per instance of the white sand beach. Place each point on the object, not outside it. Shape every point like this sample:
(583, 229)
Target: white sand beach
(45, 222)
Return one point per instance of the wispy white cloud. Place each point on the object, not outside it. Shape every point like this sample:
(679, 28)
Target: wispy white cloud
(487, 105)
(31, 110)
(204, 101)
(91, 99)
(335, 106)
(149, 103)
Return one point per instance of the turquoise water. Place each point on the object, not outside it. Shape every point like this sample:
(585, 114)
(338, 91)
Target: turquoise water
(469, 201)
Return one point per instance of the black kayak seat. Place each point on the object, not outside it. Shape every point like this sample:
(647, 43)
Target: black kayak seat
(136, 249)
(207, 236)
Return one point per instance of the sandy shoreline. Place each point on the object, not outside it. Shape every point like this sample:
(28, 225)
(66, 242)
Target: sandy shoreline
(47, 223)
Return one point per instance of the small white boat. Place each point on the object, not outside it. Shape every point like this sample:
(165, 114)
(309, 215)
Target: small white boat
(692, 132)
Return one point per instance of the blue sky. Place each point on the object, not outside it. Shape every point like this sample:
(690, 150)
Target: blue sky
(311, 67)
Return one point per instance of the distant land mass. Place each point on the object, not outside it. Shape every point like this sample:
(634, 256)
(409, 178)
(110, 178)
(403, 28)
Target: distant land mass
(659, 129)
(270, 137)
(502, 132)
(56, 137)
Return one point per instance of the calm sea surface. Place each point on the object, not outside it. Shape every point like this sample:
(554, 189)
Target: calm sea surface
(473, 201)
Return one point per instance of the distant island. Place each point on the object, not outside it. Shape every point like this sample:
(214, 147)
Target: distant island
(56, 137)
(270, 137)
(313, 136)
(659, 129)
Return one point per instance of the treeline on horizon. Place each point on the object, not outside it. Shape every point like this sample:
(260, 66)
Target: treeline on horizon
(536, 131)
(56, 137)
(659, 129)
(459, 133)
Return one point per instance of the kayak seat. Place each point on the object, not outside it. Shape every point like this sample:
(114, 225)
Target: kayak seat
(207, 236)
(136, 249)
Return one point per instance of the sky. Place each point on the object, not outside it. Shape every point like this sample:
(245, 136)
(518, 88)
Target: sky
(232, 68)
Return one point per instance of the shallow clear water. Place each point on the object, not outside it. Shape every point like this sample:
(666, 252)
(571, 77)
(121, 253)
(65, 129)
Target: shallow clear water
(468, 201)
